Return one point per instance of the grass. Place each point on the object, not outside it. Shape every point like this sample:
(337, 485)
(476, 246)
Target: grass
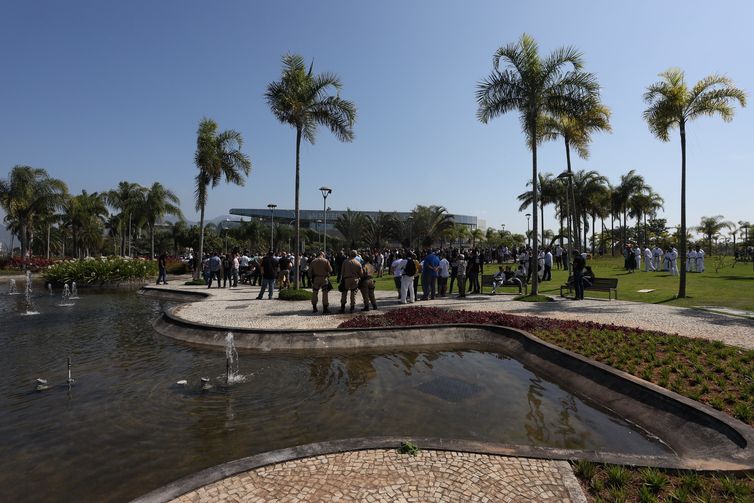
(603, 482)
(731, 287)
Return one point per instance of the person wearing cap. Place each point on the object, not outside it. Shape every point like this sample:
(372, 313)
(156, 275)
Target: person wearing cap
(320, 271)
(351, 272)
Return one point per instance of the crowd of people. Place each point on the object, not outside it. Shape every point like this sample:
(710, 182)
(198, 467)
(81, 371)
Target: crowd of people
(437, 271)
(657, 259)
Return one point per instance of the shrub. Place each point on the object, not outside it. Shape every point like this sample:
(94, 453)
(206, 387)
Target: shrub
(408, 448)
(177, 267)
(291, 294)
(617, 476)
(101, 271)
(196, 282)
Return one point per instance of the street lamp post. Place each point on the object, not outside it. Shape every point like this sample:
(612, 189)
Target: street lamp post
(319, 230)
(528, 232)
(272, 225)
(326, 191)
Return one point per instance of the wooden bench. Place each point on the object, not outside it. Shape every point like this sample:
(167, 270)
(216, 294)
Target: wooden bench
(487, 281)
(609, 285)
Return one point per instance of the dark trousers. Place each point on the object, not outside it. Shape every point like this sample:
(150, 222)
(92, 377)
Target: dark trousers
(452, 280)
(578, 284)
(397, 281)
(547, 276)
(429, 286)
(416, 287)
(462, 286)
(227, 278)
(443, 286)
(212, 275)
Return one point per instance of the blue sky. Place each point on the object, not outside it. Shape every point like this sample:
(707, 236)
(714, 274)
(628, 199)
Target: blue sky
(99, 92)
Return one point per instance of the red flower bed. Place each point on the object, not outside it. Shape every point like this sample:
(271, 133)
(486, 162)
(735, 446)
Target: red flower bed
(34, 263)
(410, 316)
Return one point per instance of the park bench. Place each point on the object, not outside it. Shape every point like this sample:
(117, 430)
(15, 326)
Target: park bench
(487, 281)
(609, 285)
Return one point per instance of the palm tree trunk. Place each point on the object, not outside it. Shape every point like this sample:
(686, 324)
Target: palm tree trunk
(198, 258)
(535, 217)
(298, 214)
(542, 211)
(48, 241)
(151, 233)
(612, 234)
(682, 241)
(594, 232)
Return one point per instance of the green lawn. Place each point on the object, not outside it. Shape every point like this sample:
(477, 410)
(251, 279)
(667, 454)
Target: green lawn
(731, 287)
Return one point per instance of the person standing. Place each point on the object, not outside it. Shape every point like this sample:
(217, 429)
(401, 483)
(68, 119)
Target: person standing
(559, 256)
(268, 271)
(460, 264)
(637, 257)
(235, 266)
(547, 275)
(226, 270)
(351, 272)
(472, 272)
(162, 264)
(396, 268)
(305, 280)
(320, 271)
(366, 284)
(443, 274)
(673, 261)
(699, 259)
(429, 275)
(407, 279)
(215, 265)
(453, 274)
(579, 264)
(691, 260)
(657, 256)
(648, 260)
(339, 264)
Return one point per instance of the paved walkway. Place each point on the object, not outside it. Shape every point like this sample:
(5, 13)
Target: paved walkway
(239, 308)
(386, 476)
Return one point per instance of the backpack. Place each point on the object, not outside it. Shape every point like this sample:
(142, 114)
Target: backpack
(410, 269)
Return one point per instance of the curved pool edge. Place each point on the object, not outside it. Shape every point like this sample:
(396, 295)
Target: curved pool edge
(219, 472)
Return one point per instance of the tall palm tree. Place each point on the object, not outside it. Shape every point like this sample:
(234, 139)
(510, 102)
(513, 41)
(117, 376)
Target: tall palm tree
(378, 230)
(29, 194)
(631, 185)
(549, 193)
(128, 199)
(218, 155)
(587, 185)
(301, 99)
(710, 227)
(534, 86)
(159, 202)
(642, 204)
(671, 103)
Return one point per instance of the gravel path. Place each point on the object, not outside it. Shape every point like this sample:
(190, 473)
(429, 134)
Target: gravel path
(239, 308)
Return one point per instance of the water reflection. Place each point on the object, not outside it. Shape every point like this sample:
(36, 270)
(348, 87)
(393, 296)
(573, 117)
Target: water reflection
(125, 427)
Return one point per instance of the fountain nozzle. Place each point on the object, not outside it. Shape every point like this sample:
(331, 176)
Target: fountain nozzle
(41, 384)
(205, 384)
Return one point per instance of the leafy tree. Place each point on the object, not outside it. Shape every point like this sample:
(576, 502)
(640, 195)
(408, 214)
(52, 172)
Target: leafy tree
(218, 155)
(380, 229)
(671, 103)
(534, 86)
(159, 202)
(301, 99)
(28, 195)
(85, 216)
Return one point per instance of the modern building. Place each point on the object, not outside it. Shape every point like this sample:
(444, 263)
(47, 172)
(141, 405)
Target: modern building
(314, 219)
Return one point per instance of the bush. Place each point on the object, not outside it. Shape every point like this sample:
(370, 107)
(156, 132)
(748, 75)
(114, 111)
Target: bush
(177, 267)
(196, 282)
(534, 298)
(34, 263)
(291, 294)
(101, 271)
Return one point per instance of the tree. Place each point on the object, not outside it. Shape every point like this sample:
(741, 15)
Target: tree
(549, 193)
(378, 230)
(351, 224)
(534, 86)
(128, 199)
(85, 216)
(28, 195)
(671, 103)
(217, 155)
(159, 202)
(710, 227)
(301, 99)
(430, 224)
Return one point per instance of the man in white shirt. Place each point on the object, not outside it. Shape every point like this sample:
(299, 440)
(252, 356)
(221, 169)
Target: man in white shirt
(691, 261)
(547, 274)
(396, 268)
(699, 259)
(657, 255)
(672, 256)
(443, 274)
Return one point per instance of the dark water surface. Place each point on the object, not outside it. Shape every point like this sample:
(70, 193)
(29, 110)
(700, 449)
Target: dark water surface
(126, 428)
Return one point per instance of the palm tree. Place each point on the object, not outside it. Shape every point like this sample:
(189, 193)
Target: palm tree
(535, 87)
(710, 227)
(159, 202)
(431, 224)
(671, 103)
(642, 204)
(85, 216)
(631, 185)
(587, 186)
(549, 193)
(301, 100)
(218, 155)
(351, 224)
(128, 198)
(378, 230)
(28, 195)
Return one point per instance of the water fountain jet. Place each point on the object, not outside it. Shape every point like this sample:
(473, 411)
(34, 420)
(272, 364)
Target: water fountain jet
(12, 287)
(41, 384)
(30, 309)
(74, 291)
